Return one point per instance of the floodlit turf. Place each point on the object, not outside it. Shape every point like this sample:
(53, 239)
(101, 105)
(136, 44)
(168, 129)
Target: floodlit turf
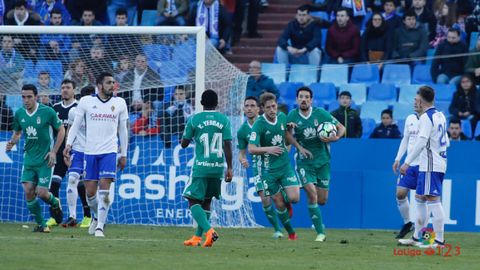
(146, 247)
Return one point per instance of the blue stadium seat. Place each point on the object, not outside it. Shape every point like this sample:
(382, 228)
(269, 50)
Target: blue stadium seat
(373, 110)
(323, 93)
(358, 91)
(401, 125)
(477, 131)
(382, 92)
(320, 14)
(473, 40)
(467, 128)
(365, 73)
(368, 125)
(407, 93)
(54, 68)
(14, 102)
(158, 52)
(402, 110)
(337, 74)
(443, 92)
(278, 72)
(422, 75)
(443, 107)
(172, 76)
(288, 90)
(149, 18)
(306, 74)
(324, 38)
(396, 74)
(430, 54)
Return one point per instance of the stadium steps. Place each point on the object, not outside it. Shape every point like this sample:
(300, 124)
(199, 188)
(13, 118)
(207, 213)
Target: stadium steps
(270, 24)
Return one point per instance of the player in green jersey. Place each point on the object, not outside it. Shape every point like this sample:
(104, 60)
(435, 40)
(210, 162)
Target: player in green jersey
(211, 132)
(268, 138)
(37, 121)
(314, 173)
(251, 110)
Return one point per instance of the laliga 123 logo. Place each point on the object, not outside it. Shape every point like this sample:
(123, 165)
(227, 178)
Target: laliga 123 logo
(427, 236)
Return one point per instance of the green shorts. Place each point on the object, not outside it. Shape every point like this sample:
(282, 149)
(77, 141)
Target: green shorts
(201, 188)
(40, 176)
(317, 175)
(273, 182)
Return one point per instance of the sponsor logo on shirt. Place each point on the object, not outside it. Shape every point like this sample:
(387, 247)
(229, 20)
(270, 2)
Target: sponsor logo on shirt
(107, 117)
(31, 132)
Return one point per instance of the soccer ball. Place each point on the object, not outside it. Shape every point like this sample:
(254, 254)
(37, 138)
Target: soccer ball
(326, 130)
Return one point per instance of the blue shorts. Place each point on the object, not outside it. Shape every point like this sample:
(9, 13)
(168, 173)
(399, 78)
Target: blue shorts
(77, 159)
(409, 180)
(100, 166)
(430, 183)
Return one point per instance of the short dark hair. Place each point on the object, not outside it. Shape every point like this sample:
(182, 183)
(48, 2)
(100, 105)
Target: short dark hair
(20, 3)
(454, 30)
(43, 72)
(387, 111)
(305, 88)
(266, 97)
(455, 120)
(409, 13)
(102, 76)
(427, 93)
(88, 9)
(304, 8)
(389, 1)
(209, 99)
(340, 9)
(68, 81)
(345, 93)
(251, 98)
(179, 87)
(121, 11)
(56, 11)
(28, 87)
(87, 90)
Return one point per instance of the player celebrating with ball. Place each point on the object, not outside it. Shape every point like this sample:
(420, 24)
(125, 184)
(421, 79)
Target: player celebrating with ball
(314, 128)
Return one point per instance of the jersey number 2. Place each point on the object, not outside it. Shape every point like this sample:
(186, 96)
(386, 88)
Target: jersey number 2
(214, 147)
(443, 135)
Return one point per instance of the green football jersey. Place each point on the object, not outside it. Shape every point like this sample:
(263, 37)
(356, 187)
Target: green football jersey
(306, 134)
(38, 128)
(208, 129)
(265, 133)
(243, 137)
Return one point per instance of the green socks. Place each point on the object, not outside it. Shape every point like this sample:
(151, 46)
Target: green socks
(272, 217)
(199, 231)
(285, 219)
(200, 217)
(52, 201)
(34, 208)
(316, 216)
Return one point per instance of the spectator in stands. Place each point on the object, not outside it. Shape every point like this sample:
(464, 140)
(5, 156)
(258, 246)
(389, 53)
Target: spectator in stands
(258, 83)
(375, 44)
(98, 63)
(175, 116)
(392, 20)
(79, 73)
(129, 6)
(118, 45)
(44, 98)
(473, 62)
(343, 39)
(305, 38)
(254, 7)
(46, 7)
(446, 19)
(81, 44)
(425, 18)
(6, 114)
(88, 19)
(472, 22)
(212, 15)
(55, 46)
(449, 70)
(387, 129)
(43, 82)
(455, 132)
(97, 8)
(172, 12)
(142, 84)
(347, 116)
(409, 41)
(123, 67)
(148, 123)
(466, 101)
(121, 17)
(12, 65)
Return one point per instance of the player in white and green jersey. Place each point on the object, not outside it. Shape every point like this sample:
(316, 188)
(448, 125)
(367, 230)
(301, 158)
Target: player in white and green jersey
(268, 139)
(211, 132)
(251, 110)
(314, 173)
(37, 122)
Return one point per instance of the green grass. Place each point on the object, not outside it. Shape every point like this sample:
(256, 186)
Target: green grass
(147, 247)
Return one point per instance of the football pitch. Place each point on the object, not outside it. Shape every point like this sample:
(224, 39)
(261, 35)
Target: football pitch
(151, 247)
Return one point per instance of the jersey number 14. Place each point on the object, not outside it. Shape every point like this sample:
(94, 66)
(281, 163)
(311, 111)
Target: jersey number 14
(214, 147)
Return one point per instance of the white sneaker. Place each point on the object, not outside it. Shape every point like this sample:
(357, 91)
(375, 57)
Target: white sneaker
(321, 238)
(99, 233)
(277, 235)
(409, 242)
(93, 226)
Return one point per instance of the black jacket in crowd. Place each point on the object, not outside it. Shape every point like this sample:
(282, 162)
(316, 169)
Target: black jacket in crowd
(449, 66)
(375, 40)
(349, 118)
(465, 103)
(386, 132)
(309, 37)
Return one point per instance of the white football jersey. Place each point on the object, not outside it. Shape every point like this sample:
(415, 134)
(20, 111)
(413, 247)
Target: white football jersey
(79, 143)
(411, 132)
(101, 122)
(433, 127)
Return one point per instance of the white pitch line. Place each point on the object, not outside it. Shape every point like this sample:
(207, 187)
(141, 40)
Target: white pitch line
(76, 239)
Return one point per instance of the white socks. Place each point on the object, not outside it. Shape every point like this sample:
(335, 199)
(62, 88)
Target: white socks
(422, 220)
(438, 219)
(93, 203)
(404, 208)
(103, 206)
(72, 194)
